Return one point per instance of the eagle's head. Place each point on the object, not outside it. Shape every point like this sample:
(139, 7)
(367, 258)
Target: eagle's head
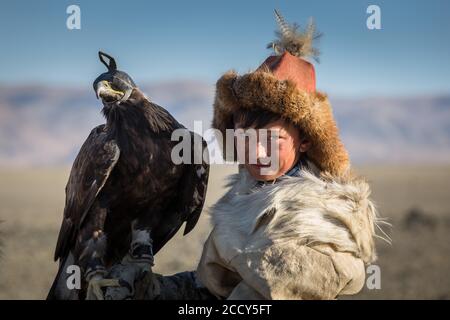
(113, 86)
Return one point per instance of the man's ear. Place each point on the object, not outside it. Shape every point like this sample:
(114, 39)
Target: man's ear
(305, 144)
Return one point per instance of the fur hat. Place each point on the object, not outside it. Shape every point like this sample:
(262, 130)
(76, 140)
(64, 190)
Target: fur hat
(285, 84)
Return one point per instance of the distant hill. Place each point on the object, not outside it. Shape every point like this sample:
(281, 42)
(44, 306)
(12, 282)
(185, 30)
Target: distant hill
(396, 130)
(42, 125)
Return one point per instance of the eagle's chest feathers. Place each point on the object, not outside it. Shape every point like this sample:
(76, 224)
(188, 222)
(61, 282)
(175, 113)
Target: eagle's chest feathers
(145, 170)
(305, 208)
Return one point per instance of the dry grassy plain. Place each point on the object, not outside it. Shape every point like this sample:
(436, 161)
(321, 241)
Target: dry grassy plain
(415, 199)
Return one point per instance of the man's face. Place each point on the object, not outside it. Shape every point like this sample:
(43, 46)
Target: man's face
(275, 149)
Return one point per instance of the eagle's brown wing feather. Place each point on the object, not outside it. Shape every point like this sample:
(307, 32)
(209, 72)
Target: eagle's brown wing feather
(195, 186)
(90, 171)
(188, 203)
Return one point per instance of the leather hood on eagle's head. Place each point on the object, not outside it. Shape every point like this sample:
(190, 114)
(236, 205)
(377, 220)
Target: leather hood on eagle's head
(114, 85)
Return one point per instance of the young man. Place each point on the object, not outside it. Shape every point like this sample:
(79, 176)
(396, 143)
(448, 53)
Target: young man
(301, 230)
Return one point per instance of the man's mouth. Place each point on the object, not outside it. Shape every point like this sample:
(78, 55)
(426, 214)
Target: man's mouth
(260, 165)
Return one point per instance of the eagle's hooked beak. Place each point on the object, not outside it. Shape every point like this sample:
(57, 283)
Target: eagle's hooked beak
(107, 93)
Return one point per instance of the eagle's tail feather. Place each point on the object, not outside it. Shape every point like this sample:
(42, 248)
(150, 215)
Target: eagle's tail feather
(59, 289)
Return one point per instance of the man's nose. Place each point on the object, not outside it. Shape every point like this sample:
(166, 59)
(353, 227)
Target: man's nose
(261, 150)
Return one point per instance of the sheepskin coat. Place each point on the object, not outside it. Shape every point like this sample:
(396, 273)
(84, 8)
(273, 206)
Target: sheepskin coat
(305, 237)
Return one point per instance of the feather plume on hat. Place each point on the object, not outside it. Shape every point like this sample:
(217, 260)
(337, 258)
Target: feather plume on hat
(293, 39)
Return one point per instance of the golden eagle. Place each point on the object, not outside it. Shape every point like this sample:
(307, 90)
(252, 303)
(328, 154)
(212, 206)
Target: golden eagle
(125, 197)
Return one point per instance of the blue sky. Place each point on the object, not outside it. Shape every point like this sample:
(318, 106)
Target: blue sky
(169, 40)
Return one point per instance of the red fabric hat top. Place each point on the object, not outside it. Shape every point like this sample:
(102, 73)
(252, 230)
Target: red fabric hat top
(289, 67)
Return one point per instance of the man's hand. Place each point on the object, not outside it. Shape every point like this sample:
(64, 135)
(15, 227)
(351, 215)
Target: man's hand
(126, 274)
(132, 281)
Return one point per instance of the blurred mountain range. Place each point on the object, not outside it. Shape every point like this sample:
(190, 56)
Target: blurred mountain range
(45, 126)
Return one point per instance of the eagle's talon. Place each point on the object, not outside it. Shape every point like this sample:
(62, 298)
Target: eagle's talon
(141, 249)
(142, 254)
